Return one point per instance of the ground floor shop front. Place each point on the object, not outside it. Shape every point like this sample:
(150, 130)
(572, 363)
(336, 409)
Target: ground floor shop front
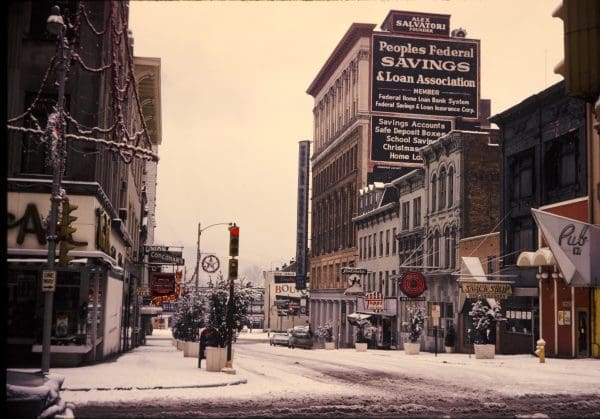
(92, 318)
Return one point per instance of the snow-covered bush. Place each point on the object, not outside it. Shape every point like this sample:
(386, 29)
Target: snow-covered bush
(364, 330)
(416, 324)
(484, 321)
(218, 298)
(325, 332)
(188, 318)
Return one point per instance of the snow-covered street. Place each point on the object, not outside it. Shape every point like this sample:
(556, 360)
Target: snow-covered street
(157, 381)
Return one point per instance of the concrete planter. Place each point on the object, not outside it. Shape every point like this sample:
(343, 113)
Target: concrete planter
(484, 351)
(191, 349)
(449, 349)
(412, 348)
(360, 347)
(216, 358)
(330, 345)
(180, 344)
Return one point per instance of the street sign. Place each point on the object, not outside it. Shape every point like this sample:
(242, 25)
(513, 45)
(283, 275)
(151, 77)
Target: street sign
(48, 281)
(346, 270)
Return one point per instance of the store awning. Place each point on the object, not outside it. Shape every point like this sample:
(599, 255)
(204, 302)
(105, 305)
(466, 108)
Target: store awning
(355, 318)
(574, 245)
(378, 313)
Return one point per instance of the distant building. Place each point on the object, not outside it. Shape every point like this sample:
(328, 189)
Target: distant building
(284, 305)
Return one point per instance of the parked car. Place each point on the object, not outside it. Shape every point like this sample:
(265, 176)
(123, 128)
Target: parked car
(279, 339)
(302, 337)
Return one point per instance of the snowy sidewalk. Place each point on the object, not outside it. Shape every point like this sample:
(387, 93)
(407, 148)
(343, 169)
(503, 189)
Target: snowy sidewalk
(156, 365)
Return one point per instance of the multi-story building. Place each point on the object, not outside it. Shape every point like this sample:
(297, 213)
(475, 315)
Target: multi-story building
(544, 166)
(94, 312)
(462, 172)
(339, 171)
(284, 305)
(376, 226)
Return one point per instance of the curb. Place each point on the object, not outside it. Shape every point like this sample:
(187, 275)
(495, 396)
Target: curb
(233, 383)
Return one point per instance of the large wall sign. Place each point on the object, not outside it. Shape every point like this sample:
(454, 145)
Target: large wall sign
(163, 255)
(500, 290)
(302, 214)
(425, 76)
(416, 23)
(398, 140)
(413, 284)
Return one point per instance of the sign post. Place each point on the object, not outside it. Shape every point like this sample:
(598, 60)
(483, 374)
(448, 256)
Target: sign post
(435, 314)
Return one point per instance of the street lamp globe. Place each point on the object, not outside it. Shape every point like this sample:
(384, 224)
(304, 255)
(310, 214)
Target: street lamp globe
(55, 23)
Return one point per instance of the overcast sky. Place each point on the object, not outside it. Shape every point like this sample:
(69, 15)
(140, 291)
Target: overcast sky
(234, 101)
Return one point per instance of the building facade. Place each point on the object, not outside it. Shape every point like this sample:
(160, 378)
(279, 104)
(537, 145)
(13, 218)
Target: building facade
(377, 225)
(339, 170)
(284, 305)
(544, 162)
(95, 299)
(461, 172)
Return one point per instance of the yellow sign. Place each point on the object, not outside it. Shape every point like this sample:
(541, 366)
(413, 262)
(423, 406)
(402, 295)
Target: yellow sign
(500, 290)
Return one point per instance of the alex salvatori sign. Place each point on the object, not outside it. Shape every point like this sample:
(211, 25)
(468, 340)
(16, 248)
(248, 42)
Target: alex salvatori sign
(425, 76)
(500, 290)
(398, 140)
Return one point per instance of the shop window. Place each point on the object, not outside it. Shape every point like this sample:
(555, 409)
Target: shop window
(446, 317)
(518, 320)
(25, 305)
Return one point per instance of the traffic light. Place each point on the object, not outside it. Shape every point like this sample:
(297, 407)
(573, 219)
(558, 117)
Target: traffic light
(234, 241)
(65, 233)
(233, 269)
(581, 64)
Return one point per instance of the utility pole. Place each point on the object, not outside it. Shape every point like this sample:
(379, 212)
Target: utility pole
(55, 131)
(197, 273)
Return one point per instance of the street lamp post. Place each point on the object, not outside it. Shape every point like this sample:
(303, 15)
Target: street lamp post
(198, 254)
(55, 130)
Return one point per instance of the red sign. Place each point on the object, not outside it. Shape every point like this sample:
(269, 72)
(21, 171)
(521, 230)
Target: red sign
(374, 301)
(413, 284)
(162, 284)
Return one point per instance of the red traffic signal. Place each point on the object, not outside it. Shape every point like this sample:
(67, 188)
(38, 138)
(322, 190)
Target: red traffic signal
(234, 241)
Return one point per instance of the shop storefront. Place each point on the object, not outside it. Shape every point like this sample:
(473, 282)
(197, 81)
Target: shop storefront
(88, 296)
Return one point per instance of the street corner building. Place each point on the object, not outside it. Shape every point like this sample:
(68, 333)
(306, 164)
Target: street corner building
(90, 124)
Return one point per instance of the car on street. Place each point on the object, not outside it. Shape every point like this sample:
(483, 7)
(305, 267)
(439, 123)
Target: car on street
(302, 337)
(279, 338)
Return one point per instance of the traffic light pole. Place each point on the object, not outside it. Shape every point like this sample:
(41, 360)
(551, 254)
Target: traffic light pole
(234, 232)
(54, 134)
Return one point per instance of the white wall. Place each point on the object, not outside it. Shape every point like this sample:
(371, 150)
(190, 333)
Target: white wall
(112, 315)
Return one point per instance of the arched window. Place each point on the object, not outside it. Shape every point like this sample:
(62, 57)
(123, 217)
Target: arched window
(450, 187)
(430, 251)
(453, 248)
(447, 246)
(436, 249)
(433, 193)
(442, 189)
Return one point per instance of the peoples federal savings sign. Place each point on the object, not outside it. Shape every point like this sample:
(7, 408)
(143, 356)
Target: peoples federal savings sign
(425, 76)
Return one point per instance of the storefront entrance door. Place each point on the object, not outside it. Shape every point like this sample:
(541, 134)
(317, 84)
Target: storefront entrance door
(582, 333)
